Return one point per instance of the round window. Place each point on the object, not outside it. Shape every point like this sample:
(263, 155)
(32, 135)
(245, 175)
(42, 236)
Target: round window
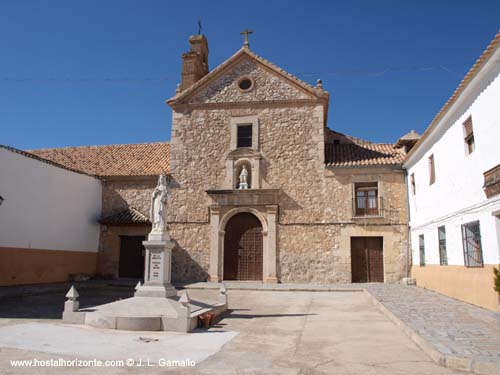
(245, 84)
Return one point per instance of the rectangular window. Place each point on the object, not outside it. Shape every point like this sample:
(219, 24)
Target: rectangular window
(469, 136)
(432, 170)
(421, 245)
(443, 258)
(471, 237)
(412, 181)
(244, 137)
(366, 201)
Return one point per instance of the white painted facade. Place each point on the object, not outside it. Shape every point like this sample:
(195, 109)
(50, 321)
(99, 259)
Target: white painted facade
(457, 196)
(47, 207)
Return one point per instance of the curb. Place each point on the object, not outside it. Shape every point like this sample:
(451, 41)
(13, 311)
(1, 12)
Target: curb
(469, 364)
(216, 286)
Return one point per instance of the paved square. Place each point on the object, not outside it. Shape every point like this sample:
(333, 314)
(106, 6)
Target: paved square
(278, 333)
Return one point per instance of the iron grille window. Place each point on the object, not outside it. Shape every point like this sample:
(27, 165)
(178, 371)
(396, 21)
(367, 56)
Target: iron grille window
(421, 245)
(471, 237)
(443, 257)
(413, 187)
(244, 136)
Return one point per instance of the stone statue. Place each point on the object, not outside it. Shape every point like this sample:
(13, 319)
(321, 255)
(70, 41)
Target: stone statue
(243, 178)
(158, 205)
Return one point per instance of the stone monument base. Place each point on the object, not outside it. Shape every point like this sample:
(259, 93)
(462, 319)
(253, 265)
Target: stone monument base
(162, 291)
(146, 314)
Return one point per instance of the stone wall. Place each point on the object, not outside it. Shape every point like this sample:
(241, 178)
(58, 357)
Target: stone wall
(119, 194)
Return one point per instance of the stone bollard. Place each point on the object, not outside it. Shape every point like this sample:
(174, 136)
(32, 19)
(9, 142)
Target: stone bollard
(223, 295)
(137, 287)
(71, 314)
(72, 303)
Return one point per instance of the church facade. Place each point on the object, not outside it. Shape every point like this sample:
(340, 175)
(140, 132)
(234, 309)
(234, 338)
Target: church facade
(318, 206)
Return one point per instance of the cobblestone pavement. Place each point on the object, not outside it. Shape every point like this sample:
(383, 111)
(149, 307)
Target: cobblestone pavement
(451, 326)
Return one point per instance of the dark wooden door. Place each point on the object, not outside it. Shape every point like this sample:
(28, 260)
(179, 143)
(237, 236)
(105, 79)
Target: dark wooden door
(131, 257)
(243, 248)
(367, 259)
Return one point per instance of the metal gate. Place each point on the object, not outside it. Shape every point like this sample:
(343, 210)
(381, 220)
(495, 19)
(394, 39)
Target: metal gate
(367, 259)
(243, 248)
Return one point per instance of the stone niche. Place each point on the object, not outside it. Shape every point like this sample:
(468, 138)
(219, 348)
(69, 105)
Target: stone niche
(235, 161)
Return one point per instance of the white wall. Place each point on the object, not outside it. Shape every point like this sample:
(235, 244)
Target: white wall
(457, 196)
(47, 207)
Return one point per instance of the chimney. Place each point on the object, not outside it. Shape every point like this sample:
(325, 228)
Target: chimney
(194, 62)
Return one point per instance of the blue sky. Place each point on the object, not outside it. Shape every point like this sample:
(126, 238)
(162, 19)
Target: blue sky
(98, 72)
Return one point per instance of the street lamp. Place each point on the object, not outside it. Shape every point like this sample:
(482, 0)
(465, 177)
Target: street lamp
(1, 200)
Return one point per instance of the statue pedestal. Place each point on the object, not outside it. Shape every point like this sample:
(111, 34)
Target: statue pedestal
(157, 273)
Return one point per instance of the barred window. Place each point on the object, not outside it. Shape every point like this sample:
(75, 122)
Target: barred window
(443, 257)
(412, 181)
(471, 237)
(421, 245)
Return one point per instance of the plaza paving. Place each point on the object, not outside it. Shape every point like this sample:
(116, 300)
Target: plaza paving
(268, 332)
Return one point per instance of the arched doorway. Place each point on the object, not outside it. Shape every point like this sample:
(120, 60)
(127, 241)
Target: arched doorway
(243, 248)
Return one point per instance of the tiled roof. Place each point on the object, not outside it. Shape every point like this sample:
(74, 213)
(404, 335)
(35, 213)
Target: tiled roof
(357, 152)
(129, 216)
(485, 56)
(47, 161)
(141, 159)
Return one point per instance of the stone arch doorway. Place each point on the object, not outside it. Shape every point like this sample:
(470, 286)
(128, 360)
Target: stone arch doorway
(243, 248)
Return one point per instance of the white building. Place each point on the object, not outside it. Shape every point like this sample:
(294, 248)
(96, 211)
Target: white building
(454, 189)
(48, 220)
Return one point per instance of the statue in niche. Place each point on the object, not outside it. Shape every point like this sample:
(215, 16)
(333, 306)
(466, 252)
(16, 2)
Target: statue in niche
(159, 205)
(243, 178)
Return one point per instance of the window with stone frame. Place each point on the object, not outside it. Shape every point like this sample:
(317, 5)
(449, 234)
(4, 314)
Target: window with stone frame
(421, 246)
(244, 135)
(469, 136)
(443, 257)
(366, 201)
(471, 237)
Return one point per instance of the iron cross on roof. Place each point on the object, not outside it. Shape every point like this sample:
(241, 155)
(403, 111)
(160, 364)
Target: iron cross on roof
(245, 33)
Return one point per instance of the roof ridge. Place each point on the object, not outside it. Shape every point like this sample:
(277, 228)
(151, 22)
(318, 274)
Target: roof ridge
(97, 146)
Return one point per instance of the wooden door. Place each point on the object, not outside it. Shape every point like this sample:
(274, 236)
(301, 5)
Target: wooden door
(367, 260)
(131, 257)
(243, 248)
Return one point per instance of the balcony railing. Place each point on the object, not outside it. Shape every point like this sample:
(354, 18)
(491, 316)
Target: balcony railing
(368, 206)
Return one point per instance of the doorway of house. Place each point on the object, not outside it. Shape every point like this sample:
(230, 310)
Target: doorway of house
(131, 257)
(367, 259)
(243, 248)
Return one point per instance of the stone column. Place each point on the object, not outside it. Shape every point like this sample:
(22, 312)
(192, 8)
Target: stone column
(271, 272)
(157, 273)
(214, 269)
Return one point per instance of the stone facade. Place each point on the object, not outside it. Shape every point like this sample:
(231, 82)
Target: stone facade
(304, 204)
(314, 221)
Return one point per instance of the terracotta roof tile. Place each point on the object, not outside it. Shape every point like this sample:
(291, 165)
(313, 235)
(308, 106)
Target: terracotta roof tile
(129, 216)
(141, 159)
(357, 152)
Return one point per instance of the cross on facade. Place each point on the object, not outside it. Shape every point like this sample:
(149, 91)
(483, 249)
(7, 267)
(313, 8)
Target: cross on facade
(245, 33)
